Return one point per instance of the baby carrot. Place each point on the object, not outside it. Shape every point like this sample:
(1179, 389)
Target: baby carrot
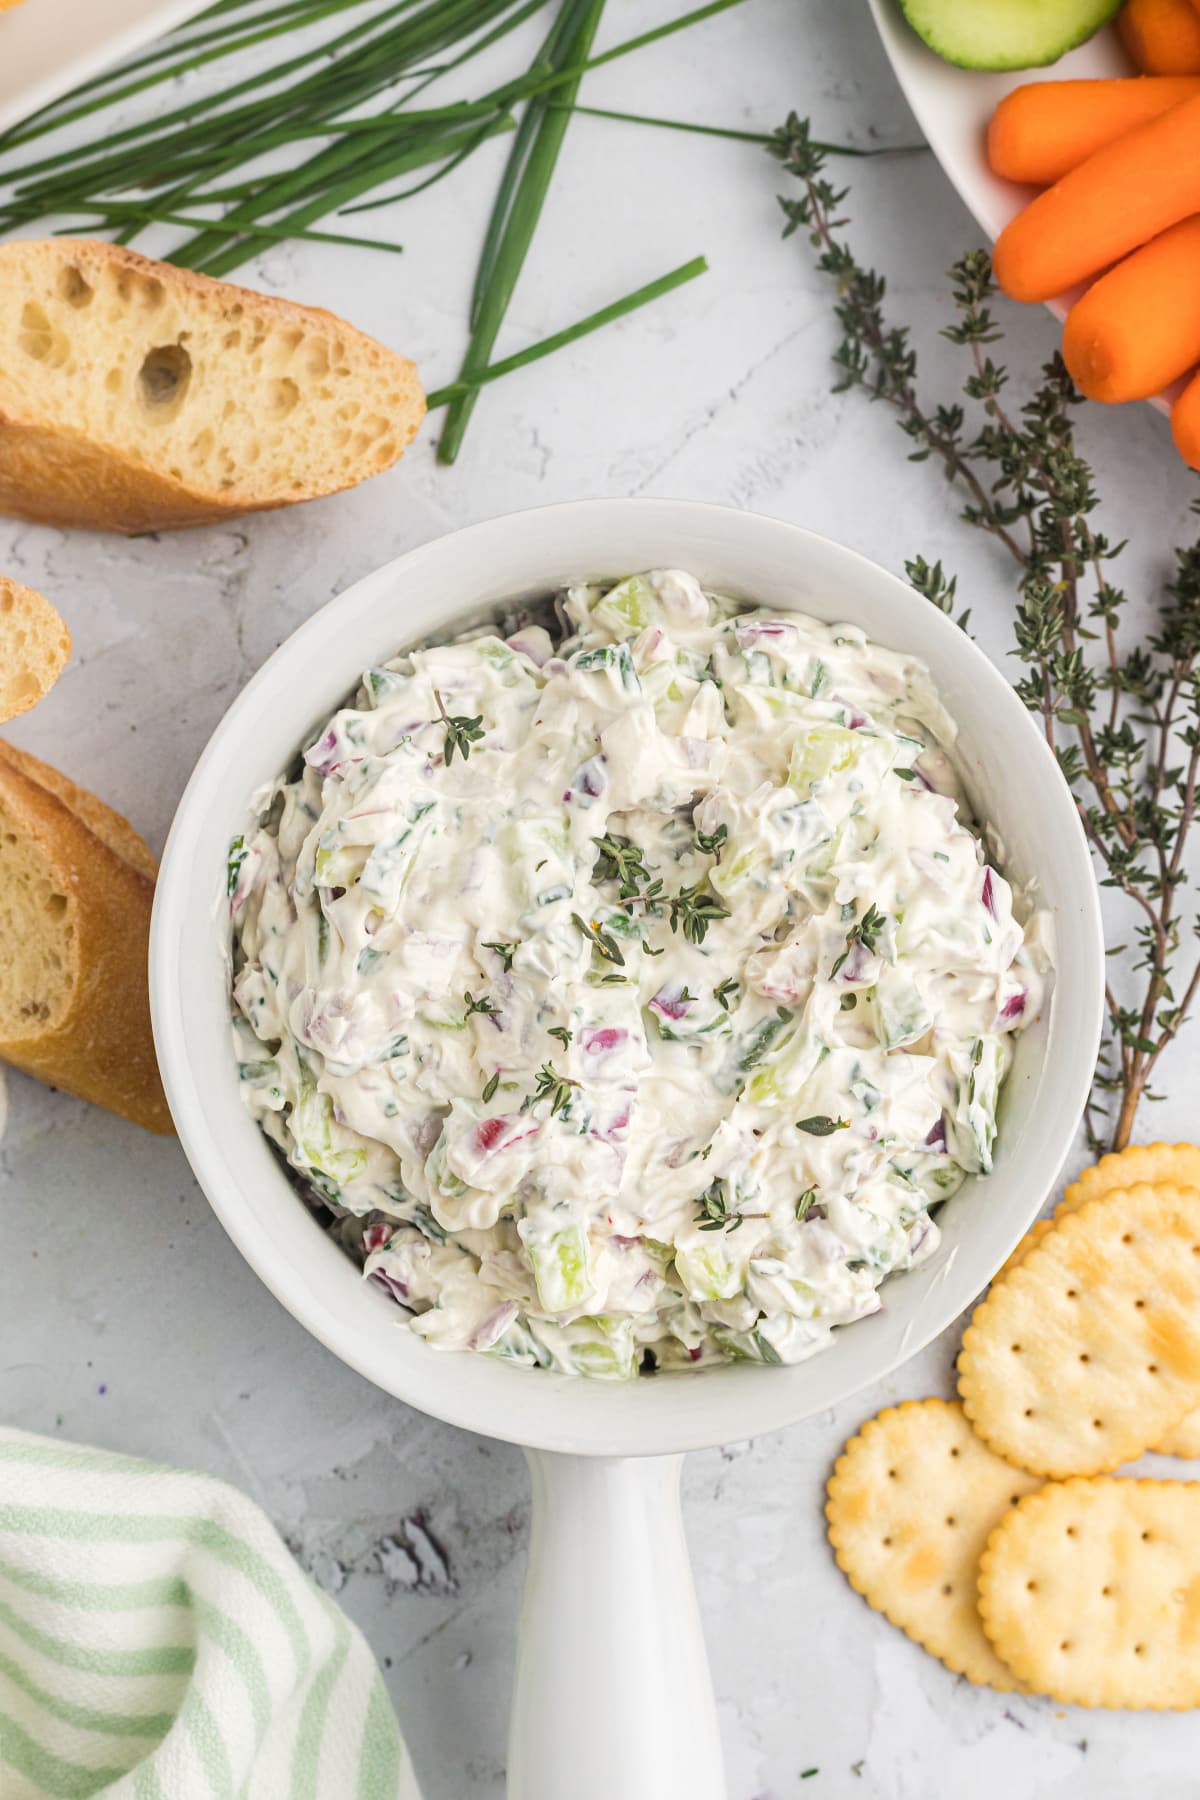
(1138, 327)
(1162, 36)
(1042, 130)
(1185, 423)
(1122, 196)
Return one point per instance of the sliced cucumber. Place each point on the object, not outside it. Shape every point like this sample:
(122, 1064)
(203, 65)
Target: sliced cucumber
(1006, 34)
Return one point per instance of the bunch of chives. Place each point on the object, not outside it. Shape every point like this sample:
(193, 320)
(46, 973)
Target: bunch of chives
(325, 128)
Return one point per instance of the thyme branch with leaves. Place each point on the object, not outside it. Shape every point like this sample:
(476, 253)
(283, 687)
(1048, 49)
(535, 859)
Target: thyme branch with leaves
(461, 732)
(1120, 711)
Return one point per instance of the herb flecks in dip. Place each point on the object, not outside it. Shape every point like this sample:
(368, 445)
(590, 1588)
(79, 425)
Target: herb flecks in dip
(630, 998)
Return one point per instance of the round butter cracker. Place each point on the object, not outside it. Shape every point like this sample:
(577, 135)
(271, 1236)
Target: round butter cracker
(911, 1504)
(1174, 1165)
(1182, 1439)
(1178, 1165)
(1034, 1235)
(1089, 1350)
(1090, 1590)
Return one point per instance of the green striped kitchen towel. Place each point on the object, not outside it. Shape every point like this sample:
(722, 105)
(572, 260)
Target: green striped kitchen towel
(157, 1642)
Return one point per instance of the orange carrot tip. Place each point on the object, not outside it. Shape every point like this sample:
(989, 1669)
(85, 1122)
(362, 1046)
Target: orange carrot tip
(1041, 131)
(1162, 36)
(1121, 197)
(1185, 423)
(1138, 327)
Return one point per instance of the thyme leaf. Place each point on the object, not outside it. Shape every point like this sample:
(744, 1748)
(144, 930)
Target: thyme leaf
(693, 909)
(550, 1085)
(601, 941)
(715, 1210)
(864, 931)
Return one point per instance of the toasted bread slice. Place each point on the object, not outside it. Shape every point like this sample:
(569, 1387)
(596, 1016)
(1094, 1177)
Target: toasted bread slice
(76, 888)
(34, 647)
(135, 396)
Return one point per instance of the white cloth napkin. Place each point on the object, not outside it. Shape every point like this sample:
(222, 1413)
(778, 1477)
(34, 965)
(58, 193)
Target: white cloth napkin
(157, 1642)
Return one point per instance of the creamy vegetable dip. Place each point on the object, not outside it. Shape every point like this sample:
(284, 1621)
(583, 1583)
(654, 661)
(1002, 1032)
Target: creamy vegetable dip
(629, 991)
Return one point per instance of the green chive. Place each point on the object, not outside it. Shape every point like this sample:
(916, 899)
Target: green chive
(654, 290)
(741, 137)
(517, 209)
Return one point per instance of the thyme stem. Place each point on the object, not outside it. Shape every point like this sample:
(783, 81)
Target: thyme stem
(1123, 720)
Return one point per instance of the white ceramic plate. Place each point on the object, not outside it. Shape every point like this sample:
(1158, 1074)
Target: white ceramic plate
(953, 106)
(48, 47)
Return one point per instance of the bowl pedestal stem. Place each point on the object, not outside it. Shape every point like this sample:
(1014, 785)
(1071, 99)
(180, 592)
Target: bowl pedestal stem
(612, 1696)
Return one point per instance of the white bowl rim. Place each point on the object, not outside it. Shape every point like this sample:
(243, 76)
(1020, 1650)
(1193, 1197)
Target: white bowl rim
(308, 1274)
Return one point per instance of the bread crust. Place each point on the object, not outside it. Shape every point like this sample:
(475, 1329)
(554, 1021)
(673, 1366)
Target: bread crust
(55, 474)
(60, 478)
(101, 1048)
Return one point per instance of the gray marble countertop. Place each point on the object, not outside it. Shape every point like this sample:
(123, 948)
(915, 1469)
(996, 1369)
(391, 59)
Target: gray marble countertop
(126, 1316)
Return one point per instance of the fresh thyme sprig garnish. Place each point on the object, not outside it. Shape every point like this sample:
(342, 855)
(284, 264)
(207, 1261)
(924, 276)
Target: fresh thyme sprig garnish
(712, 842)
(821, 1125)
(550, 1085)
(505, 952)
(490, 1086)
(723, 990)
(461, 732)
(693, 909)
(601, 940)
(562, 1033)
(1121, 714)
(714, 1208)
(478, 1004)
(864, 931)
(622, 861)
(804, 1203)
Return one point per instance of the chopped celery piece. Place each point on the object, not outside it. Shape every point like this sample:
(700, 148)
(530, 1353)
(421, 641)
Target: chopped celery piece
(233, 868)
(821, 751)
(614, 659)
(975, 1114)
(900, 1010)
(561, 1262)
(629, 607)
(599, 1346)
(708, 1274)
(441, 1176)
(313, 1127)
(378, 684)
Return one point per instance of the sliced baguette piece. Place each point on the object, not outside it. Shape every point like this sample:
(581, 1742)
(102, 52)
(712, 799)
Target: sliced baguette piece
(135, 396)
(76, 888)
(34, 647)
